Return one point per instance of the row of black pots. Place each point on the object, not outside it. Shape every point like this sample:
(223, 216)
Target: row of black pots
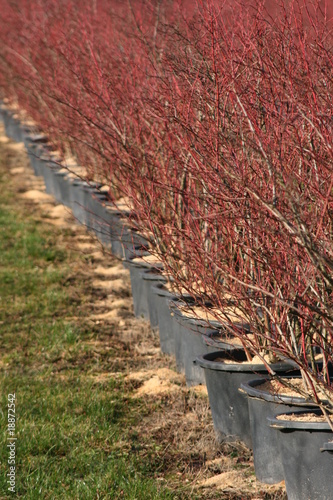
(144, 275)
(306, 451)
(301, 453)
(89, 205)
(179, 336)
(263, 406)
(225, 371)
(236, 414)
(198, 347)
(12, 124)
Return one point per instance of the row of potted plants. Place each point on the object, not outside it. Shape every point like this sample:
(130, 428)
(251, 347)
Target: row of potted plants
(225, 370)
(220, 137)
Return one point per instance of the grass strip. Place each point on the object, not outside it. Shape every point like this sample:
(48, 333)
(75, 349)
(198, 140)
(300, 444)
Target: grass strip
(74, 435)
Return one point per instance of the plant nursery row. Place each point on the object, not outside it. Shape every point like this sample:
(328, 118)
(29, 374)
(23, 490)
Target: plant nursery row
(195, 139)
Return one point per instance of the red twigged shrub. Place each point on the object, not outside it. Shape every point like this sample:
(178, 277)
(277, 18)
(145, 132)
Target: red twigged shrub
(216, 121)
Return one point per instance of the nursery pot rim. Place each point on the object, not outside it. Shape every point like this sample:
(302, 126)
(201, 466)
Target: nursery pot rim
(214, 324)
(116, 212)
(252, 391)
(160, 290)
(207, 362)
(220, 342)
(328, 446)
(144, 265)
(152, 275)
(297, 425)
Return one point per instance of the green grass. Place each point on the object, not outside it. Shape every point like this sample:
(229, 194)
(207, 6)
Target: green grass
(76, 437)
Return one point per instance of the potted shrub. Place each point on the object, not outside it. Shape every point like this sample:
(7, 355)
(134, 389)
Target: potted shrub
(305, 443)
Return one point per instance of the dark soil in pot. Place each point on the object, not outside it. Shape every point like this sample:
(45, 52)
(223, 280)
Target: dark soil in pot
(263, 404)
(307, 458)
(225, 371)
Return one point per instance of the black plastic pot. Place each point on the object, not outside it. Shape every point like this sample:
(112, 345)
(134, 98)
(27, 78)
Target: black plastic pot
(160, 298)
(12, 126)
(306, 451)
(96, 215)
(119, 230)
(221, 338)
(228, 405)
(151, 278)
(32, 153)
(61, 187)
(262, 404)
(3, 111)
(39, 157)
(17, 130)
(135, 241)
(140, 297)
(106, 222)
(77, 199)
(49, 173)
(125, 239)
(7, 121)
(26, 132)
(153, 299)
(189, 343)
(30, 137)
